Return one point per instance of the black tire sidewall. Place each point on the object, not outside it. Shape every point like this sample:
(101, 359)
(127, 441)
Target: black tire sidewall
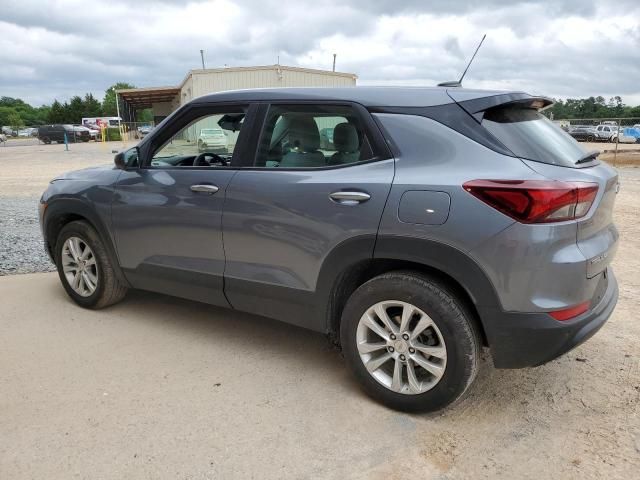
(451, 319)
(85, 233)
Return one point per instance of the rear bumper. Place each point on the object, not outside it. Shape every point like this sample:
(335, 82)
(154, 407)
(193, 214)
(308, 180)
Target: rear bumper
(520, 340)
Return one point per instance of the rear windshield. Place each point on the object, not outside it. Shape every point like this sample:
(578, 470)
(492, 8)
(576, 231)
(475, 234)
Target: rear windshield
(531, 135)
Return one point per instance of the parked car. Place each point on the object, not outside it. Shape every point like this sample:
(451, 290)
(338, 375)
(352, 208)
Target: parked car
(606, 133)
(626, 135)
(143, 130)
(56, 133)
(212, 140)
(326, 138)
(411, 249)
(582, 133)
(629, 135)
(94, 132)
(83, 133)
(28, 132)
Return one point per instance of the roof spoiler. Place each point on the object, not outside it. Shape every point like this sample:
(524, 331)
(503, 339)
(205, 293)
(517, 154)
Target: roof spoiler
(477, 106)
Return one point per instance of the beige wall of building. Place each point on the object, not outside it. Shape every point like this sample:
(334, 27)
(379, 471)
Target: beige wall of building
(202, 82)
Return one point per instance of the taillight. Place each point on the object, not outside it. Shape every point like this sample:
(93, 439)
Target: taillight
(536, 201)
(571, 312)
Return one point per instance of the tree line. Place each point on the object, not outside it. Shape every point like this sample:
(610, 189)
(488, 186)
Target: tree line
(16, 113)
(592, 107)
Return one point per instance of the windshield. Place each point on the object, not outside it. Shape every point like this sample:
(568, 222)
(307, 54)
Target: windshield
(530, 135)
(210, 131)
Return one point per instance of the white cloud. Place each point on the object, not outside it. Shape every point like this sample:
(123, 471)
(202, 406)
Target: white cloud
(566, 48)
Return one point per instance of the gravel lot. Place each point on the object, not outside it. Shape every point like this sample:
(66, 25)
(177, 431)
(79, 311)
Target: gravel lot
(158, 387)
(25, 171)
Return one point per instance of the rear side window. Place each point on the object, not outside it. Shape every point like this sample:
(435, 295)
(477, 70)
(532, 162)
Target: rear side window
(531, 135)
(312, 136)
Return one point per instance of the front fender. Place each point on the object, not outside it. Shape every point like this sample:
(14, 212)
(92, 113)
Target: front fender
(61, 210)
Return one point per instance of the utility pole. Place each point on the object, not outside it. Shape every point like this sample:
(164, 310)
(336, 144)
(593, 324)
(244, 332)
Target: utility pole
(202, 58)
(334, 62)
(118, 113)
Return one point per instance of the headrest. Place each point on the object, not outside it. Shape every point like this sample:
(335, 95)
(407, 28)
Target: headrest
(303, 133)
(345, 138)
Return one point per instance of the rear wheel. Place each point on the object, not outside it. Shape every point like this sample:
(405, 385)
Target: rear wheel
(84, 267)
(410, 342)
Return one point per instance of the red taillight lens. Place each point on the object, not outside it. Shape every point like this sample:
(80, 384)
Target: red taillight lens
(569, 313)
(536, 201)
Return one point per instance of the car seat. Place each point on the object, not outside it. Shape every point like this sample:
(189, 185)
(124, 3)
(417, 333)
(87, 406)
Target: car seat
(304, 141)
(347, 144)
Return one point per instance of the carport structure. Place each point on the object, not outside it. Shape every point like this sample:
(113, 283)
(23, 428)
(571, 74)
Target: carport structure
(162, 100)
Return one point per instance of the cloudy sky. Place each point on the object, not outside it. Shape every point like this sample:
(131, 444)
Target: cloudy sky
(561, 48)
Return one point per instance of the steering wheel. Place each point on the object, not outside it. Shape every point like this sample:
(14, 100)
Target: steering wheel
(201, 160)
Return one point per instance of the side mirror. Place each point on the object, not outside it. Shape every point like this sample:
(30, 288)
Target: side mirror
(126, 159)
(119, 162)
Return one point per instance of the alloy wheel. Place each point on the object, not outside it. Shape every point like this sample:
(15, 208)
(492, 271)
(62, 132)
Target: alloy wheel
(401, 347)
(79, 266)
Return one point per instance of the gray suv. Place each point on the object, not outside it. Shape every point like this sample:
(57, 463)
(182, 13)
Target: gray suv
(428, 223)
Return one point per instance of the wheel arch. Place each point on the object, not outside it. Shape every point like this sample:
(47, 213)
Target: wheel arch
(455, 270)
(63, 211)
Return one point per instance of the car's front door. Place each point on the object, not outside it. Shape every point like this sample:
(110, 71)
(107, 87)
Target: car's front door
(308, 205)
(167, 213)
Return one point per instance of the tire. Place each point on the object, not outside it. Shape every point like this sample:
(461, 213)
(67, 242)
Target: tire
(452, 327)
(108, 289)
(46, 140)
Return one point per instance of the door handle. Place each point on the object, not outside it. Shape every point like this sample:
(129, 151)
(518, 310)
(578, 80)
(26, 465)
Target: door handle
(349, 198)
(210, 189)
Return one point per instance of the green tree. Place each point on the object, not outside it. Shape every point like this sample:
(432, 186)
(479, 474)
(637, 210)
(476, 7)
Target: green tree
(75, 109)
(92, 107)
(56, 113)
(144, 116)
(5, 114)
(15, 121)
(109, 103)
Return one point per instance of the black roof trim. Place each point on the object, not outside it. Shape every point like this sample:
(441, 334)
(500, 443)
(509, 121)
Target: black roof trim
(367, 96)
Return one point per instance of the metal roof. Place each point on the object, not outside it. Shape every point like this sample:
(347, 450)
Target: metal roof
(144, 97)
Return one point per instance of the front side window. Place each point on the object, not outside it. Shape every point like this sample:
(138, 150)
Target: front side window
(312, 137)
(208, 141)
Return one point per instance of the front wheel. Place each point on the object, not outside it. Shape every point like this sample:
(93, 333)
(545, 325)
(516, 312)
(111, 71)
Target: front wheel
(410, 342)
(84, 267)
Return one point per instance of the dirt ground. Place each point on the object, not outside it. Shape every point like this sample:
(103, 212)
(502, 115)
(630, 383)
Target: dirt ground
(158, 387)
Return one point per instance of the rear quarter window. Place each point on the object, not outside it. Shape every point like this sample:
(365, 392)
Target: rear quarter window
(531, 135)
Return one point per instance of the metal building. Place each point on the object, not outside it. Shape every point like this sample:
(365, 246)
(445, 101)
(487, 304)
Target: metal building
(164, 100)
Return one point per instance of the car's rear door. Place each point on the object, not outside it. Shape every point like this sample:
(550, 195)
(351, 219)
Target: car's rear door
(304, 209)
(167, 212)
